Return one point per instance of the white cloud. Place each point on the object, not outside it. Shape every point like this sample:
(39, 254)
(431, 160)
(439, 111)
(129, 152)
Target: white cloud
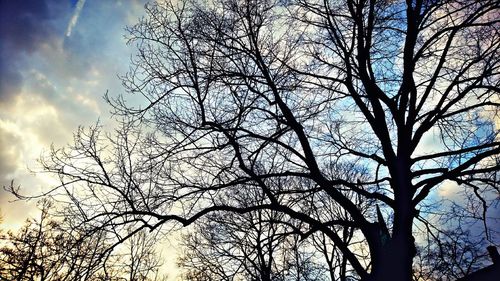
(74, 18)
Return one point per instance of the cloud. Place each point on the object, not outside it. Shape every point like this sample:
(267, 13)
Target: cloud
(9, 155)
(24, 23)
(50, 83)
(24, 26)
(74, 18)
(450, 190)
(36, 125)
(10, 79)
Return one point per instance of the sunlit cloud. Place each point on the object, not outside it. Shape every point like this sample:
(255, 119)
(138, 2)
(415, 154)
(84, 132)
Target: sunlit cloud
(74, 18)
(50, 84)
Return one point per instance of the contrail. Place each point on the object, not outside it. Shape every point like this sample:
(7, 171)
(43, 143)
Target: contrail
(74, 18)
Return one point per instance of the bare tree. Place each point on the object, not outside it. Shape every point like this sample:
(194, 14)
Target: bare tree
(241, 94)
(49, 249)
(259, 245)
(246, 247)
(449, 256)
(43, 250)
(267, 244)
(454, 245)
(141, 260)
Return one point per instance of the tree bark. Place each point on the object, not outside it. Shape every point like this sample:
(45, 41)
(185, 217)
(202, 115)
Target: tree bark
(392, 258)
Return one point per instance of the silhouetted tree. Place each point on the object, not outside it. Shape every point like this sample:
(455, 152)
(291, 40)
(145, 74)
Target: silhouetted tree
(267, 244)
(453, 244)
(248, 247)
(47, 249)
(449, 256)
(259, 245)
(43, 250)
(141, 260)
(241, 94)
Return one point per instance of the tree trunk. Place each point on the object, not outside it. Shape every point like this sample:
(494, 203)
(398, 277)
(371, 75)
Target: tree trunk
(394, 261)
(392, 258)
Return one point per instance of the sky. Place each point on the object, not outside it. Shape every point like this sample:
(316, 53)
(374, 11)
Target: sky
(58, 58)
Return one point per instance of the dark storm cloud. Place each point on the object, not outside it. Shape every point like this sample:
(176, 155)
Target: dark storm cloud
(24, 26)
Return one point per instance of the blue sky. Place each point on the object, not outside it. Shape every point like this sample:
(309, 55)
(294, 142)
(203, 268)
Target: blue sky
(51, 83)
